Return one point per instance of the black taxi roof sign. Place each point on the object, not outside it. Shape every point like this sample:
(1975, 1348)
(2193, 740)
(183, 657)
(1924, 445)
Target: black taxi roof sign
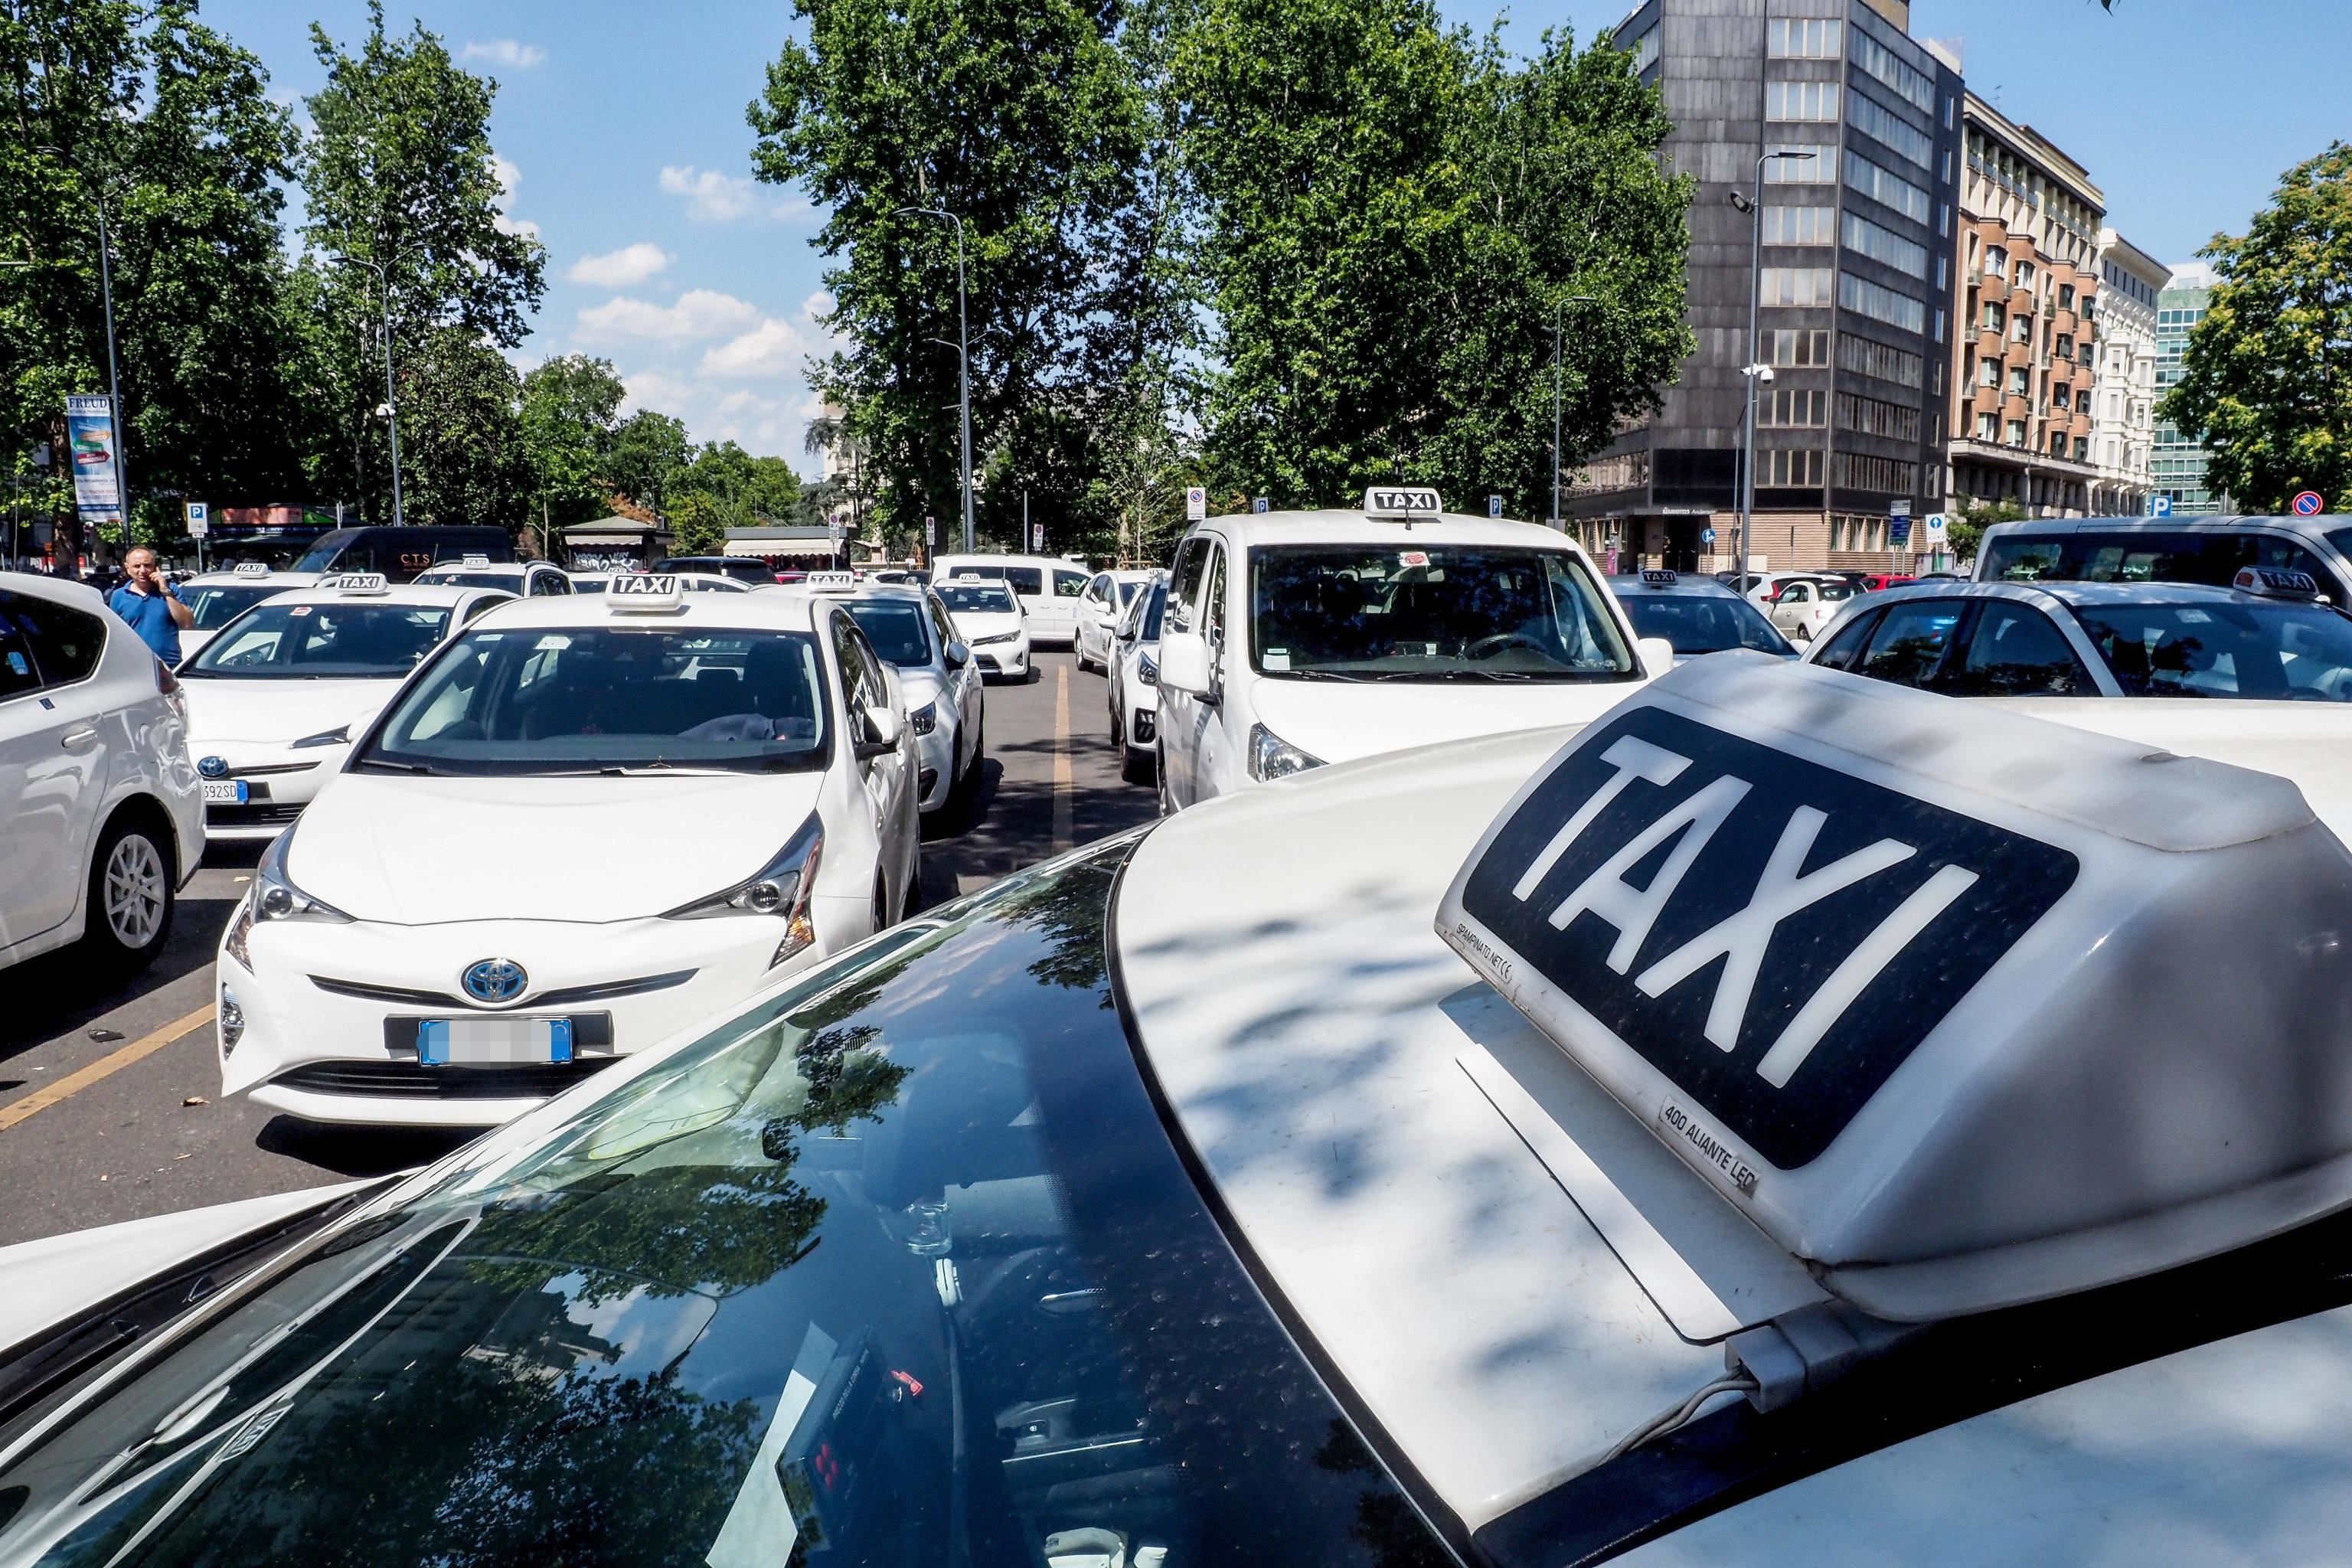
(1658, 577)
(1924, 988)
(1403, 503)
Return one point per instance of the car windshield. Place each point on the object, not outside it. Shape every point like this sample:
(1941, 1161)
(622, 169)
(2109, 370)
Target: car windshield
(984, 598)
(1700, 623)
(214, 605)
(898, 1267)
(2302, 652)
(1413, 612)
(1153, 608)
(1126, 588)
(596, 698)
(895, 628)
(504, 581)
(352, 639)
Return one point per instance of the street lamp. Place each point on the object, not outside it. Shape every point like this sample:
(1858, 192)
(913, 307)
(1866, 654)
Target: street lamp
(1555, 311)
(114, 382)
(391, 403)
(1755, 370)
(963, 360)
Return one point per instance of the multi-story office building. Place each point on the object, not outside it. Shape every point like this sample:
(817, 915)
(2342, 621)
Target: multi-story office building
(2123, 393)
(2027, 253)
(2176, 463)
(1856, 284)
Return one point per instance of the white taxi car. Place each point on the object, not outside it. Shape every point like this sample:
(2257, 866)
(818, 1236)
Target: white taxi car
(102, 823)
(1294, 639)
(991, 623)
(276, 697)
(1134, 680)
(523, 579)
(587, 822)
(1793, 1120)
(947, 706)
(216, 599)
(1101, 607)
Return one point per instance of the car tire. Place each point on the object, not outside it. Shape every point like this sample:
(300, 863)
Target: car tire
(1117, 731)
(1136, 767)
(132, 896)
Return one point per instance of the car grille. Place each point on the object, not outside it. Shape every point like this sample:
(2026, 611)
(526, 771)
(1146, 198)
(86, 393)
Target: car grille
(563, 996)
(259, 813)
(265, 769)
(1142, 726)
(410, 1080)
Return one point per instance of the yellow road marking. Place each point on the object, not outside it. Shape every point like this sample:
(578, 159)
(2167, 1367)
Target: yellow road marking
(1063, 830)
(113, 1062)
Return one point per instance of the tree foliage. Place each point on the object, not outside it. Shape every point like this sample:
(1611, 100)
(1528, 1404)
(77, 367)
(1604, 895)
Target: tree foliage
(2267, 381)
(463, 459)
(570, 416)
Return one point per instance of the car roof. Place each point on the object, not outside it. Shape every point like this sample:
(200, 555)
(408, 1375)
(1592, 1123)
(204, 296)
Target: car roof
(940, 563)
(2080, 594)
(392, 593)
(1628, 583)
(758, 610)
(1341, 525)
(260, 579)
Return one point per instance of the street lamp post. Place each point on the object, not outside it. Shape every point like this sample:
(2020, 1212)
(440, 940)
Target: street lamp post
(1556, 310)
(390, 402)
(963, 362)
(1755, 370)
(113, 381)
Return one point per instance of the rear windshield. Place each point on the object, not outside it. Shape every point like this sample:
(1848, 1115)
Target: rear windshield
(988, 598)
(896, 630)
(597, 699)
(2152, 555)
(1350, 612)
(504, 581)
(315, 641)
(1700, 623)
(214, 605)
(2292, 651)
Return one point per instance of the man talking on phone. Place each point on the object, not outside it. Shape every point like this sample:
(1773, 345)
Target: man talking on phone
(148, 603)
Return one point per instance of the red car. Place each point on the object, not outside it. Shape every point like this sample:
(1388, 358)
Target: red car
(1872, 582)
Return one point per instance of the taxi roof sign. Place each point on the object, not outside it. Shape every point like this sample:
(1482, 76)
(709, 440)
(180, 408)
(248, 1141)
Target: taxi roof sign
(2276, 583)
(644, 594)
(358, 584)
(1656, 577)
(1923, 989)
(833, 582)
(251, 569)
(1404, 503)
(474, 560)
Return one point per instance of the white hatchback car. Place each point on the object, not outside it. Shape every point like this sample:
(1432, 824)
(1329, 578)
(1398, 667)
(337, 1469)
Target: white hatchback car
(1047, 586)
(585, 823)
(523, 579)
(216, 599)
(991, 623)
(1134, 681)
(276, 697)
(1101, 609)
(947, 706)
(1294, 639)
(100, 820)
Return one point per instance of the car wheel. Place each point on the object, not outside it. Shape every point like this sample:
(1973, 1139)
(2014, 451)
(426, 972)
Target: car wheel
(1117, 731)
(1134, 766)
(131, 899)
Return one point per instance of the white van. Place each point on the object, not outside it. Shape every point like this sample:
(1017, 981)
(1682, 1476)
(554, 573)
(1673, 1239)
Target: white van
(1047, 586)
(1297, 638)
(2208, 550)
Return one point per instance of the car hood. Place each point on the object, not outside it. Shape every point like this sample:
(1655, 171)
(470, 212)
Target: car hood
(272, 712)
(918, 684)
(1339, 723)
(422, 851)
(972, 625)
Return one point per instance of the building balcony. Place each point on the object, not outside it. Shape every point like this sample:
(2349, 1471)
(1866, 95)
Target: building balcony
(1999, 454)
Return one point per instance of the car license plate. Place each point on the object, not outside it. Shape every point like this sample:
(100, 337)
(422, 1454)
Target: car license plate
(227, 792)
(493, 1042)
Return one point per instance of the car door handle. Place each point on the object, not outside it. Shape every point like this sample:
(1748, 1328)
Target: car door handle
(78, 737)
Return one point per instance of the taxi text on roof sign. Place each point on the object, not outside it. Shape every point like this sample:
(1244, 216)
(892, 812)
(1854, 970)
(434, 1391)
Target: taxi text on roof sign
(1411, 502)
(358, 583)
(1925, 988)
(2276, 583)
(252, 569)
(833, 582)
(642, 592)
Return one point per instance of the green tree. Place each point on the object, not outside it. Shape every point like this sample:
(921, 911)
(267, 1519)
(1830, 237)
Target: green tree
(2267, 381)
(1026, 120)
(1391, 216)
(699, 523)
(462, 453)
(569, 417)
(168, 128)
(646, 450)
(1966, 531)
(750, 487)
(398, 172)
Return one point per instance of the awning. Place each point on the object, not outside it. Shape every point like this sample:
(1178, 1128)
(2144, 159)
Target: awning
(767, 549)
(576, 539)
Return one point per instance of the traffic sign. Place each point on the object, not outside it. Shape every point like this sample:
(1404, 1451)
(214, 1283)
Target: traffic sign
(1937, 530)
(1037, 536)
(1259, 504)
(1196, 504)
(1707, 536)
(1494, 506)
(2160, 506)
(2309, 504)
(1898, 527)
(836, 532)
(200, 519)
(930, 531)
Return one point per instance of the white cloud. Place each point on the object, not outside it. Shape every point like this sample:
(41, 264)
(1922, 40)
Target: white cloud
(619, 268)
(509, 177)
(772, 348)
(710, 194)
(504, 52)
(656, 390)
(699, 313)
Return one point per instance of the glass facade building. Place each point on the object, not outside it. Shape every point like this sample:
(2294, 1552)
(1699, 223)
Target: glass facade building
(2176, 463)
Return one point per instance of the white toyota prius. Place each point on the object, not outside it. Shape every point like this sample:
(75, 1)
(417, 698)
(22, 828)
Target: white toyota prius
(589, 821)
(277, 697)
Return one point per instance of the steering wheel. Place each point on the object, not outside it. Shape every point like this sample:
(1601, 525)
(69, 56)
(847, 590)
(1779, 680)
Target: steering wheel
(1495, 643)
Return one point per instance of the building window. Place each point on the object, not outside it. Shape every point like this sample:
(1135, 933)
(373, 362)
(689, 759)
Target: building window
(2025, 275)
(1821, 169)
(1989, 372)
(1944, 219)
(2020, 328)
(2062, 396)
(1793, 408)
(1644, 50)
(1795, 39)
(2013, 433)
(1939, 327)
(1875, 120)
(2017, 386)
(2082, 448)
(1996, 316)
(1860, 472)
(2065, 296)
(1884, 246)
(1814, 100)
(1882, 304)
(1794, 286)
(1988, 427)
(1947, 166)
(1943, 273)
(1861, 356)
(2065, 349)
(1799, 225)
(1785, 465)
(1882, 62)
(1800, 347)
(1873, 416)
(1996, 262)
(1885, 188)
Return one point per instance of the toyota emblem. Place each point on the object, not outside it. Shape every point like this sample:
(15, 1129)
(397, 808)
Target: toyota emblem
(494, 980)
(213, 767)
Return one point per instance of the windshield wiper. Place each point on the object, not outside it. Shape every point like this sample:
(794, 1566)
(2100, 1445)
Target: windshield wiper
(390, 767)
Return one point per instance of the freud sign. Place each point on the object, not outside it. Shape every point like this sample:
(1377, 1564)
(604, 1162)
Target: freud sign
(1773, 935)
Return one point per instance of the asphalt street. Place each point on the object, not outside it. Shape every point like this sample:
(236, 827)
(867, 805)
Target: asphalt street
(109, 1098)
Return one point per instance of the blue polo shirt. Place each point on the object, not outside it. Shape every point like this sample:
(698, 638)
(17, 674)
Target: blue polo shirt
(149, 615)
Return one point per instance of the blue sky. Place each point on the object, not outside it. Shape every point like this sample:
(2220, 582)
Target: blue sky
(622, 126)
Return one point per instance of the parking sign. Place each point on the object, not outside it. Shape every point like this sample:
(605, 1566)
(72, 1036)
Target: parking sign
(200, 519)
(1196, 504)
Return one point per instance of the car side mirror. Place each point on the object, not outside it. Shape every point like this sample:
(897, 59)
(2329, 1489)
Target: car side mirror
(1185, 663)
(881, 727)
(958, 654)
(1657, 656)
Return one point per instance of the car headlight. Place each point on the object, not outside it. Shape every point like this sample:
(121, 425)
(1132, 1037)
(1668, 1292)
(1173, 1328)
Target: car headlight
(1272, 757)
(274, 898)
(1147, 670)
(1000, 636)
(924, 720)
(340, 735)
(784, 887)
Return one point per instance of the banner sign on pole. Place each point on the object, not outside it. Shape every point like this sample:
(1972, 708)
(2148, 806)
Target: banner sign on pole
(90, 433)
(1196, 504)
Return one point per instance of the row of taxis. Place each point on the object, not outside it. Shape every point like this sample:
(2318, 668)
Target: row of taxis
(1774, 1115)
